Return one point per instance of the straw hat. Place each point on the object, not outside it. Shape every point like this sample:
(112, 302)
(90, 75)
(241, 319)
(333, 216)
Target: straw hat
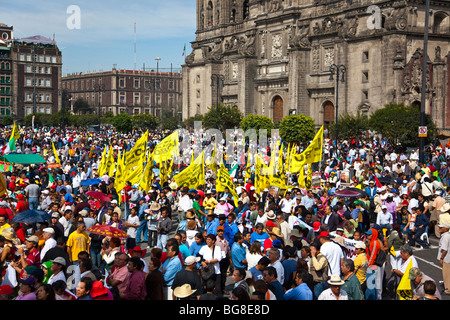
(11, 235)
(276, 231)
(183, 291)
(335, 280)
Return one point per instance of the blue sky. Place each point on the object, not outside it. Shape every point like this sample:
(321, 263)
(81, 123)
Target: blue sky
(106, 32)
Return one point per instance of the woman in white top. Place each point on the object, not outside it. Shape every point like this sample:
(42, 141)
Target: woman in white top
(211, 256)
(254, 254)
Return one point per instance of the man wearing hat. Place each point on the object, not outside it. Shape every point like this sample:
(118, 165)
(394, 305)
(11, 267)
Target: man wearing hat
(57, 268)
(140, 253)
(443, 256)
(334, 292)
(50, 242)
(29, 255)
(212, 223)
(188, 276)
(361, 263)
(418, 278)
(332, 251)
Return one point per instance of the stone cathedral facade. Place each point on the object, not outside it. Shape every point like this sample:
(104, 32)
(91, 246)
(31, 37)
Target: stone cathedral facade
(274, 57)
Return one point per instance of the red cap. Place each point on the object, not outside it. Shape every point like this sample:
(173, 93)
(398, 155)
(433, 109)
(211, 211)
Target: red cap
(6, 289)
(323, 234)
(316, 226)
(270, 224)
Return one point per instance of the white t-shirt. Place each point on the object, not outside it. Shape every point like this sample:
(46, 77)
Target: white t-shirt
(132, 231)
(207, 254)
(50, 243)
(333, 253)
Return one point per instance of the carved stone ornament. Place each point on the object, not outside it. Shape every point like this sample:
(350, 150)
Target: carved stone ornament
(277, 44)
(216, 52)
(275, 5)
(190, 58)
(247, 45)
(299, 36)
(347, 27)
(397, 19)
(412, 75)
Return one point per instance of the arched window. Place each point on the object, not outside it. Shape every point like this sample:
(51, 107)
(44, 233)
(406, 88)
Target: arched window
(245, 10)
(210, 13)
(441, 24)
(328, 113)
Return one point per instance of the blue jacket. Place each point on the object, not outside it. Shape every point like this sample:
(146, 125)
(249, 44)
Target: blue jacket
(238, 254)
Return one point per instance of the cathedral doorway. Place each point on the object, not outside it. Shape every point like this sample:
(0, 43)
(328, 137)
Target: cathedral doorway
(277, 104)
(328, 113)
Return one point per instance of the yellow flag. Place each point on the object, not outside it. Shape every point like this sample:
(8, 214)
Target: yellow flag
(280, 160)
(404, 289)
(110, 164)
(120, 174)
(224, 181)
(146, 181)
(170, 169)
(15, 133)
(313, 153)
(212, 165)
(193, 175)
(308, 180)
(55, 153)
(167, 148)
(3, 189)
(102, 164)
(136, 155)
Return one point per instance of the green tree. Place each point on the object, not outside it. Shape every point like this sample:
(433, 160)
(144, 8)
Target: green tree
(297, 128)
(222, 118)
(350, 125)
(7, 120)
(81, 106)
(400, 123)
(257, 122)
(40, 120)
(123, 122)
(144, 121)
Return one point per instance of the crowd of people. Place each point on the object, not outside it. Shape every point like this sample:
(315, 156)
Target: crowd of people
(189, 243)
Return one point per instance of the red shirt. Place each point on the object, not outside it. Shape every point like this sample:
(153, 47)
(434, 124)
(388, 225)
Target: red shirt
(22, 205)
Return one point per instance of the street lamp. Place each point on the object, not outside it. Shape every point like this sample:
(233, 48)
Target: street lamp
(158, 59)
(99, 88)
(219, 82)
(339, 70)
(424, 80)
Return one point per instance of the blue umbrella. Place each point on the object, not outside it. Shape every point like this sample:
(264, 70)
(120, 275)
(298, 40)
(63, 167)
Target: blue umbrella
(31, 216)
(90, 182)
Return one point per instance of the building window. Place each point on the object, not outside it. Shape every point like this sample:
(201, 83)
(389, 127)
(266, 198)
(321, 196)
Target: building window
(365, 95)
(48, 110)
(28, 82)
(365, 76)
(28, 69)
(198, 78)
(21, 57)
(365, 57)
(47, 59)
(47, 82)
(122, 82)
(41, 58)
(29, 57)
(136, 83)
(53, 59)
(47, 98)
(198, 94)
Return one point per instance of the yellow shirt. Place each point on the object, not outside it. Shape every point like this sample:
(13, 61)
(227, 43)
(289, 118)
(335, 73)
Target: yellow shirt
(78, 242)
(5, 226)
(361, 264)
(210, 203)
